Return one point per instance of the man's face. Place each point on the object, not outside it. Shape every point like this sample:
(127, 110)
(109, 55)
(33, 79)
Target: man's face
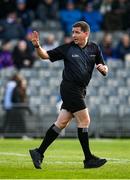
(78, 36)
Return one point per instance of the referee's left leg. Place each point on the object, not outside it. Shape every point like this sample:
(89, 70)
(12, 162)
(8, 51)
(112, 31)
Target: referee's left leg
(83, 121)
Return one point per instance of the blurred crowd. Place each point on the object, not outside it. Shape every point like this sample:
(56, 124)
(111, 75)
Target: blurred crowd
(100, 14)
(17, 16)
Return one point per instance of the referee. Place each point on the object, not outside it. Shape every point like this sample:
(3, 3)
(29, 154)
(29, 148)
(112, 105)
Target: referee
(80, 57)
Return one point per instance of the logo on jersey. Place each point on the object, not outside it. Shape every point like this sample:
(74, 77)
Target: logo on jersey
(75, 55)
(92, 55)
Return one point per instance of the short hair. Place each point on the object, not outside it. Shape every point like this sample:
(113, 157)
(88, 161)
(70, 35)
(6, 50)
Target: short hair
(83, 25)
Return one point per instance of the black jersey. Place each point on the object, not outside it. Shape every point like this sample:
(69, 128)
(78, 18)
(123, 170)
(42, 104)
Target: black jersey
(78, 62)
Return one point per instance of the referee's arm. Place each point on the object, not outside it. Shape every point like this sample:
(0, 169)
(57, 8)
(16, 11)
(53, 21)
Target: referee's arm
(42, 53)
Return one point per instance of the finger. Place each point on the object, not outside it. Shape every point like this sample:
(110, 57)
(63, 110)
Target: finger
(35, 34)
(32, 35)
(98, 66)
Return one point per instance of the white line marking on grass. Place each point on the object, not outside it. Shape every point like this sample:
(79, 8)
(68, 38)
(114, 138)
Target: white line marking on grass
(118, 160)
(62, 162)
(12, 154)
(112, 160)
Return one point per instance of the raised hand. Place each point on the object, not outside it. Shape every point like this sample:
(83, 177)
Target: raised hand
(35, 39)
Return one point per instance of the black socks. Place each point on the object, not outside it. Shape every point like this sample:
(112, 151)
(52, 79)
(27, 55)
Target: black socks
(84, 141)
(53, 133)
(50, 136)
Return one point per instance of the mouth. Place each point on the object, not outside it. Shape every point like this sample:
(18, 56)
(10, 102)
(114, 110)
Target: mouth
(75, 40)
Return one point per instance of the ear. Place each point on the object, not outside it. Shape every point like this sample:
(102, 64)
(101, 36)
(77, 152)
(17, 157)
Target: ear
(86, 34)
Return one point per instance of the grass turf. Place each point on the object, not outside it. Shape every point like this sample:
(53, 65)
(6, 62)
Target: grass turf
(63, 160)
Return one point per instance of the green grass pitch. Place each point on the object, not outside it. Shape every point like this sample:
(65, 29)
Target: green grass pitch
(63, 160)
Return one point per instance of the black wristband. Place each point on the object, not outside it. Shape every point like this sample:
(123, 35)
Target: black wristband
(37, 46)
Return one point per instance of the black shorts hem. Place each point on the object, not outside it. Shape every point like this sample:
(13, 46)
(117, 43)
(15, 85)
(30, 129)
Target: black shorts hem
(74, 109)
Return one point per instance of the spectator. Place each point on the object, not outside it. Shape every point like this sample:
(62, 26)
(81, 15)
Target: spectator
(6, 59)
(24, 16)
(61, 4)
(123, 47)
(107, 46)
(69, 16)
(6, 6)
(47, 9)
(115, 16)
(32, 4)
(119, 8)
(67, 39)
(50, 42)
(22, 56)
(106, 6)
(93, 17)
(8, 105)
(10, 28)
(126, 19)
(96, 4)
(80, 4)
(19, 100)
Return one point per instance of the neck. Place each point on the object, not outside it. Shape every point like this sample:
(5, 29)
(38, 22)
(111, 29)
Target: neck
(83, 44)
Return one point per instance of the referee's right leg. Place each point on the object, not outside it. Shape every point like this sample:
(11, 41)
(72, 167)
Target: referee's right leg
(37, 154)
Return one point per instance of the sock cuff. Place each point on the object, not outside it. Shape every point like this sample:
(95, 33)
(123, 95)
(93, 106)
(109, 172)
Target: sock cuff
(83, 130)
(56, 129)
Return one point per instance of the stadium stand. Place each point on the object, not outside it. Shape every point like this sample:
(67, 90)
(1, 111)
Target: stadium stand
(108, 98)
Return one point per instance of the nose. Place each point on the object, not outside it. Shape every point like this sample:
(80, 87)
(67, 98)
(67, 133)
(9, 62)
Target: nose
(73, 34)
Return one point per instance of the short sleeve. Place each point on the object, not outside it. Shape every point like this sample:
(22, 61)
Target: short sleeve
(56, 54)
(99, 56)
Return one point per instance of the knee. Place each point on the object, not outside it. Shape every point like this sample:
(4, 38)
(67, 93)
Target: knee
(61, 124)
(84, 123)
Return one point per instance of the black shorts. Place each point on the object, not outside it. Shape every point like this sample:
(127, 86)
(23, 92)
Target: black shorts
(72, 96)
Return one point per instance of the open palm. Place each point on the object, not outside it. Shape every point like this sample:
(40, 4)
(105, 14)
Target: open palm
(35, 38)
